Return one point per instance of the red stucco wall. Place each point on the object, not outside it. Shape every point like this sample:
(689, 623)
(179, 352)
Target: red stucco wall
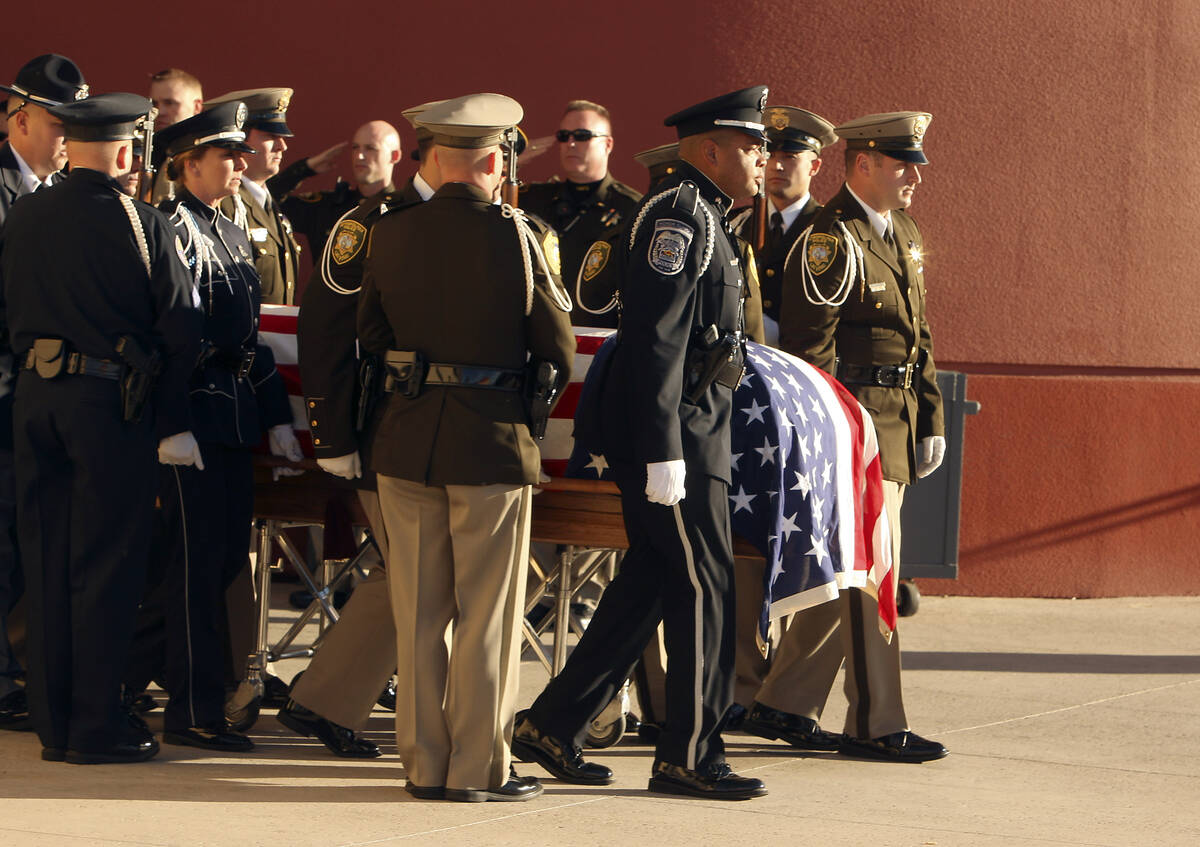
(1058, 208)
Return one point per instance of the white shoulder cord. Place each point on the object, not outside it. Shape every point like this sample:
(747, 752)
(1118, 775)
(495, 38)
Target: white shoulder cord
(240, 218)
(525, 237)
(710, 226)
(606, 308)
(139, 234)
(850, 273)
(204, 253)
(327, 251)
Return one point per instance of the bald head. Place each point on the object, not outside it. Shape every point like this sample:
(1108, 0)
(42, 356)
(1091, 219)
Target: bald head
(374, 152)
(733, 160)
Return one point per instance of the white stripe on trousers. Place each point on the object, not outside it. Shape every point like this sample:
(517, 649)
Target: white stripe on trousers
(187, 598)
(698, 632)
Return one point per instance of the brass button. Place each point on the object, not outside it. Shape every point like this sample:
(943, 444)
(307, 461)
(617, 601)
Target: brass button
(312, 423)
(262, 251)
(311, 404)
(878, 305)
(316, 441)
(767, 304)
(770, 272)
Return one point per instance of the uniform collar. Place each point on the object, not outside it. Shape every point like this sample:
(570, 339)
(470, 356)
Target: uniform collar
(879, 222)
(195, 206)
(423, 188)
(256, 191)
(708, 188)
(29, 180)
(791, 212)
(462, 191)
(93, 176)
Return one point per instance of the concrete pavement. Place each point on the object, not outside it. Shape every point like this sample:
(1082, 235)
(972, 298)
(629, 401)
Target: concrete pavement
(1069, 723)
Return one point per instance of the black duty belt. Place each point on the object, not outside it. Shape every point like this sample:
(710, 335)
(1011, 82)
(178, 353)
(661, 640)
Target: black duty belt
(887, 376)
(405, 372)
(78, 363)
(238, 362)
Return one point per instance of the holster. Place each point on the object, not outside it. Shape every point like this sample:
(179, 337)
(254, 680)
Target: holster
(541, 389)
(50, 357)
(137, 384)
(404, 372)
(369, 388)
(717, 357)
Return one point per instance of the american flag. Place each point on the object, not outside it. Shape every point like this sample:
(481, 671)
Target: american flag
(806, 484)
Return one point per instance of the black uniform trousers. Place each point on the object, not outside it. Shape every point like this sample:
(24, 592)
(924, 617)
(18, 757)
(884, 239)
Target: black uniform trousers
(86, 482)
(12, 579)
(206, 529)
(678, 570)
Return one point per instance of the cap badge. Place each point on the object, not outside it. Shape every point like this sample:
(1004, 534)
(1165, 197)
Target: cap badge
(284, 99)
(762, 101)
(779, 119)
(919, 125)
(82, 93)
(239, 117)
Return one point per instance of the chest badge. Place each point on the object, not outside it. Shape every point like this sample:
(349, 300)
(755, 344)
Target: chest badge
(596, 259)
(822, 250)
(348, 240)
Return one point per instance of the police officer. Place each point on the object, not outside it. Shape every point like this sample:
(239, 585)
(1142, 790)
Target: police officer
(855, 308)
(276, 251)
(30, 159)
(589, 204)
(103, 322)
(453, 451)
(662, 413)
(337, 691)
(236, 393)
(796, 138)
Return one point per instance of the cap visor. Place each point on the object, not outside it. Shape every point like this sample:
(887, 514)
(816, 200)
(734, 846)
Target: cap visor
(230, 144)
(273, 127)
(917, 157)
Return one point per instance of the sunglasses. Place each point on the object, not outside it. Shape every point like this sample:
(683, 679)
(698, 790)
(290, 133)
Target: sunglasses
(580, 135)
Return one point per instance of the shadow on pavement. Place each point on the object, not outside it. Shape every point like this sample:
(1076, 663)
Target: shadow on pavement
(1092, 663)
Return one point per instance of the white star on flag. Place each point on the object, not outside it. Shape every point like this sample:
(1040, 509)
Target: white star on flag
(815, 405)
(788, 527)
(803, 439)
(754, 412)
(818, 548)
(741, 500)
(734, 458)
(598, 462)
(802, 483)
(825, 472)
(767, 451)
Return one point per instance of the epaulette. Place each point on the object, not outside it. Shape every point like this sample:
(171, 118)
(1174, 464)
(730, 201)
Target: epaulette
(622, 188)
(742, 217)
(400, 206)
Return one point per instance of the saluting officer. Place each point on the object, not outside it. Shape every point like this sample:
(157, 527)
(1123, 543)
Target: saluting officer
(855, 307)
(30, 159)
(795, 138)
(453, 451)
(276, 251)
(589, 204)
(662, 413)
(236, 393)
(103, 322)
(334, 697)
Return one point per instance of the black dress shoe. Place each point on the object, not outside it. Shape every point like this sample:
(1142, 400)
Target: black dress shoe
(716, 782)
(517, 788)
(426, 792)
(562, 759)
(275, 692)
(903, 746)
(800, 732)
(648, 733)
(210, 738)
(54, 754)
(735, 716)
(140, 703)
(340, 740)
(387, 700)
(14, 711)
(138, 747)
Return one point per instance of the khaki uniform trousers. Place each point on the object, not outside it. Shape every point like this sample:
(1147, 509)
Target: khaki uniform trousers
(357, 656)
(817, 639)
(456, 554)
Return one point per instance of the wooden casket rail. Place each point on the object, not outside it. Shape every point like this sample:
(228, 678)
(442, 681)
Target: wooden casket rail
(578, 512)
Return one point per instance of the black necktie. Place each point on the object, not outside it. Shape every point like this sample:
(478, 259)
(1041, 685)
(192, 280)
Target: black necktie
(889, 237)
(775, 233)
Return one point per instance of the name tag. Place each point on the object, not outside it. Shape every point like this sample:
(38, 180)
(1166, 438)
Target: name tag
(259, 234)
(876, 287)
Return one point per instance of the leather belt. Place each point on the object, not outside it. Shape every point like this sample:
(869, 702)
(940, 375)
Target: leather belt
(887, 376)
(238, 363)
(81, 365)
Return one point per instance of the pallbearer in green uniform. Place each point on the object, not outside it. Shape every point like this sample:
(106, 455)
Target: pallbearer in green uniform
(796, 138)
(276, 251)
(452, 451)
(856, 309)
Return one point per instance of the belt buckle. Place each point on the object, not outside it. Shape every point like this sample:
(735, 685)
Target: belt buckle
(246, 364)
(908, 375)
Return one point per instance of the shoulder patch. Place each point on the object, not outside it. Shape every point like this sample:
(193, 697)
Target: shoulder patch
(822, 250)
(348, 240)
(550, 249)
(669, 246)
(595, 260)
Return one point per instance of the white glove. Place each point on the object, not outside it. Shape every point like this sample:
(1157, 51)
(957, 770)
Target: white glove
(347, 467)
(281, 441)
(543, 478)
(180, 449)
(664, 482)
(932, 449)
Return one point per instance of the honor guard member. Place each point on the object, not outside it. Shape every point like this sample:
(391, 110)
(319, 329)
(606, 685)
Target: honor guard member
(177, 95)
(236, 393)
(662, 414)
(276, 251)
(474, 350)
(795, 139)
(103, 322)
(589, 205)
(856, 308)
(341, 685)
(30, 159)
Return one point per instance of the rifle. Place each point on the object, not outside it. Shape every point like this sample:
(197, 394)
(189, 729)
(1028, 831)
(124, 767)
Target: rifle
(511, 187)
(760, 219)
(145, 185)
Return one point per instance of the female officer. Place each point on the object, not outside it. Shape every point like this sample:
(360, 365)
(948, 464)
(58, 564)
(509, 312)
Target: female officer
(236, 393)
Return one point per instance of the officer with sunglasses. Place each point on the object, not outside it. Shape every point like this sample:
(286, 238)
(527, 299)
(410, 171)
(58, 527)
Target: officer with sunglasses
(588, 205)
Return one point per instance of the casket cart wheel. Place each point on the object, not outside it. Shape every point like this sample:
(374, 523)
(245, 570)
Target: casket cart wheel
(605, 736)
(908, 598)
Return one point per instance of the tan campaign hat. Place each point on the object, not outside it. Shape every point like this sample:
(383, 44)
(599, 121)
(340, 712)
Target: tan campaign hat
(266, 108)
(660, 161)
(794, 130)
(472, 121)
(896, 134)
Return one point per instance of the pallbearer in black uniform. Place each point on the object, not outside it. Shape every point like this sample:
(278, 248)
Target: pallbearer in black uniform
(456, 298)
(795, 138)
(662, 414)
(236, 394)
(104, 325)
